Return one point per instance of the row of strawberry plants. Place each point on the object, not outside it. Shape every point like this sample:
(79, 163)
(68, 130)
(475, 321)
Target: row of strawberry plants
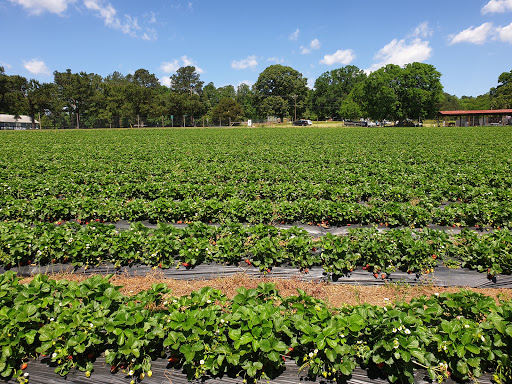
(264, 246)
(203, 184)
(497, 214)
(462, 335)
(398, 176)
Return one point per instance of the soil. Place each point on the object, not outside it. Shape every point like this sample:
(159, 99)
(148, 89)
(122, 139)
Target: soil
(336, 295)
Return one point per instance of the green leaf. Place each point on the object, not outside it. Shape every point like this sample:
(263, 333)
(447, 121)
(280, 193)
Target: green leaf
(274, 356)
(246, 338)
(235, 334)
(462, 367)
(346, 368)
(330, 354)
(473, 349)
(265, 345)
(355, 323)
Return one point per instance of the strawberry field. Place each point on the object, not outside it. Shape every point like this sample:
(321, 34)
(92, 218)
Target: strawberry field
(393, 176)
(61, 189)
(243, 197)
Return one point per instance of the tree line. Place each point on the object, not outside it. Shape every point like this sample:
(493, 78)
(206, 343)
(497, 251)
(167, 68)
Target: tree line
(87, 100)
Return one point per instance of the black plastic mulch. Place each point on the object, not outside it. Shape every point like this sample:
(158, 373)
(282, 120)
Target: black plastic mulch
(41, 373)
(442, 276)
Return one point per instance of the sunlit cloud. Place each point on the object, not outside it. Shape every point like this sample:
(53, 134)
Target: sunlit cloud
(474, 35)
(497, 6)
(343, 57)
(315, 44)
(249, 62)
(295, 35)
(36, 7)
(37, 67)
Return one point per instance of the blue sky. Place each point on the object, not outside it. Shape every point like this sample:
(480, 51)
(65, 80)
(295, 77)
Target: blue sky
(233, 41)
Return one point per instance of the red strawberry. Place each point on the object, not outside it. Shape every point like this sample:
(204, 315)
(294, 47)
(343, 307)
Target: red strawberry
(90, 356)
(380, 365)
(186, 264)
(383, 276)
(376, 275)
(248, 261)
(24, 366)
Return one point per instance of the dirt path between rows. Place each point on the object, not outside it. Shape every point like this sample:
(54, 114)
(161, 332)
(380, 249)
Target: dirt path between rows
(336, 295)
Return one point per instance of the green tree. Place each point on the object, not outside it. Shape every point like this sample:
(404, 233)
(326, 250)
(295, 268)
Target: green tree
(502, 94)
(13, 94)
(382, 93)
(450, 103)
(333, 87)
(186, 80)
(245, 98)
(77, 90)
(285, 89)
(228, 110)
(274, 106)
(228, 91)
(142, 96)
(412, 92)
(470, 103)
(211, 96)
(420, 91)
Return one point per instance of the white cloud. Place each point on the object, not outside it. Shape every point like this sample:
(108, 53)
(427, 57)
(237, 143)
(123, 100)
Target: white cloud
(249, 62)
(295, 35)
(174, 65)
(188, 61)
(165, 80)
(505, 33)
(37, 7)
(170, 66)
(423, 30)
(474, 35)
(108, 13)
(339, 57)
(400, 52)
(276, 60)
(497, 6)
(37, 67)
(315, 44)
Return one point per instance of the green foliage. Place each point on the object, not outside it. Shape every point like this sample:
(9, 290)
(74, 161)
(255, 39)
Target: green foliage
(228, 110)
(70, 324)
(278, 90)
(413, 92)
(263, 246)
(330, 96)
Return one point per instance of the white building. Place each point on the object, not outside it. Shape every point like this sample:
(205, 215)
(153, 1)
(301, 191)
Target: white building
(21, 123)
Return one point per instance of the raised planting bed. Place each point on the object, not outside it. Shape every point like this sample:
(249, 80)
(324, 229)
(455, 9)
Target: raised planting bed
(256, 335)
(201, 249)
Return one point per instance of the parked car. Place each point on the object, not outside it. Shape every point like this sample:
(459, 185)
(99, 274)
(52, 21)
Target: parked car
(302, 122)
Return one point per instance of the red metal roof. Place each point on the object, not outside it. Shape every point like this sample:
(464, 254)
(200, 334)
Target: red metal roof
(477, 112)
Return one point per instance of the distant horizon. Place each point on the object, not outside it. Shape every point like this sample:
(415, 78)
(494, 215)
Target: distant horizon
(232, 42)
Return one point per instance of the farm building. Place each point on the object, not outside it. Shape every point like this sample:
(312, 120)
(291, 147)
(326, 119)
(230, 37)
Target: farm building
(10, 122)
(478, 117)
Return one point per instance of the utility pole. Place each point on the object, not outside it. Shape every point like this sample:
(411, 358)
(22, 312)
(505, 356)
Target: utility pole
(295, 100)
